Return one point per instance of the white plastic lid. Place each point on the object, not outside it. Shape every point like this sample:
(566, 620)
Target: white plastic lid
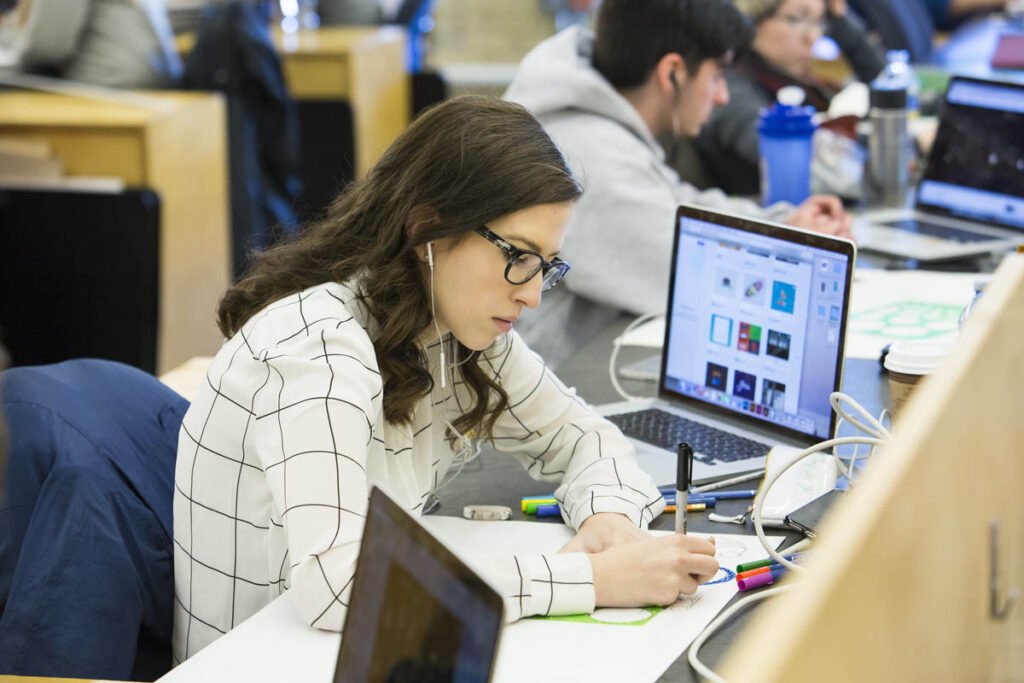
(917, 357)
(791, 96)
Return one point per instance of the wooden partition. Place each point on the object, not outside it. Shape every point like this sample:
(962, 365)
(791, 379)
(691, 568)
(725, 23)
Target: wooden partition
(175, 144)
(364, 66)
(901, 586)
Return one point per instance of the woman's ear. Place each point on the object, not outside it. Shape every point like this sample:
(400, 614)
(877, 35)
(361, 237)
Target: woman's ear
(419, 217)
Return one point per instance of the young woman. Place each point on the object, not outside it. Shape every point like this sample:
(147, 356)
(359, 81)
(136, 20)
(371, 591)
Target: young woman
(370, 352)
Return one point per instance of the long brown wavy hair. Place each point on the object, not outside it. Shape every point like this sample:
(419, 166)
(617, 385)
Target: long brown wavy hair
(466, 161)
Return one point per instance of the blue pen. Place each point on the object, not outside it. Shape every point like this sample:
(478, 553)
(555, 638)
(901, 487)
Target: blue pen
(723, 495)
(728, 495)
(690, 500)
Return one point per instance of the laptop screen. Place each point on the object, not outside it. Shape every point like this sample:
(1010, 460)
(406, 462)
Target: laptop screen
(976, 167)
(757, 320)
(417, 612)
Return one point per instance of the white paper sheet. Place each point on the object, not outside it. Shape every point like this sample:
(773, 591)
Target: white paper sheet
(612, 644)
(888, 306)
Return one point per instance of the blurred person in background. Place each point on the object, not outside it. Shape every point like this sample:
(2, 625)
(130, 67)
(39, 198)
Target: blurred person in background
(781, 55)
(652, 68)
(357, 12)
(948, 14)
(112, 43)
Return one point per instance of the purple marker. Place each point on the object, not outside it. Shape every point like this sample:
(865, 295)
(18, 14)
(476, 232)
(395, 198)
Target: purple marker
(758, 580)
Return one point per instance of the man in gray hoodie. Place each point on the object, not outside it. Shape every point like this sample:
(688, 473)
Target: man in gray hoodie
(111, 43)
(654, 67)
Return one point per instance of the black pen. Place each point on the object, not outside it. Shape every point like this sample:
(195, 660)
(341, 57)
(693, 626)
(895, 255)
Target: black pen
(684, 475)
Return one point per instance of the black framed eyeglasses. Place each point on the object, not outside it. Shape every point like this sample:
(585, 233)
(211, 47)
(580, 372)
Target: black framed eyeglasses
(523, 264)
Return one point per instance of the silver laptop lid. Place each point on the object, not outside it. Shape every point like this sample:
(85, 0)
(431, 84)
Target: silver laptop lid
(976, 165)
(756, 321)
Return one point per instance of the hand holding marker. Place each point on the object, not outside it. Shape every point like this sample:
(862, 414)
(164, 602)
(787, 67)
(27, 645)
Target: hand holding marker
(684, 476)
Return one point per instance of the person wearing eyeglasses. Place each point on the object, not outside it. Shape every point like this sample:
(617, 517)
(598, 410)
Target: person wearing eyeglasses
(379, 349)
(780, 55)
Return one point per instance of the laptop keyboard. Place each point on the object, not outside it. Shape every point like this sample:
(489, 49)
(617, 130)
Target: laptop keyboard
(665, 430)
(941, 231)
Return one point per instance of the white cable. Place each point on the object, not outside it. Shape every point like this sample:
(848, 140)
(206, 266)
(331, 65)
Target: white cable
(433, 313)
(616, 345)
(468, 450)
(875, 429)
(876, 435)
(699, 641)
(836, 398)
(770, 481)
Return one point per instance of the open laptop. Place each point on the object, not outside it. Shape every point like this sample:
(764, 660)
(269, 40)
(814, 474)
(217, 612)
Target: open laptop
(971, 198)
(754, 336)
(417, 613)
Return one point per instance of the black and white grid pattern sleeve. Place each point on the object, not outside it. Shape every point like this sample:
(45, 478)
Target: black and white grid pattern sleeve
(559, 438)
(271, 482)
(315, 426)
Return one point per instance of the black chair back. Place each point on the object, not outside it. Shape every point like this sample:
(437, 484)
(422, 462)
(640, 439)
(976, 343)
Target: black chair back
(80, 275)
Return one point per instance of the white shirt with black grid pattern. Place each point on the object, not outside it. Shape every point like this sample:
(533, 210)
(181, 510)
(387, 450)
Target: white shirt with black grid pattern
(279, 450)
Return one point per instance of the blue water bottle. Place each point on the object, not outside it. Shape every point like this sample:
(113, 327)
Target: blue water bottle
(785, 133)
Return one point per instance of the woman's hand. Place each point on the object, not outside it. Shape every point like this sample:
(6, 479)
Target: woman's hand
(602, 531)
(654, 571)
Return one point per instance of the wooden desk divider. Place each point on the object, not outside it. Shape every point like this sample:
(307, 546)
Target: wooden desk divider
(900, 587)
(177, 148)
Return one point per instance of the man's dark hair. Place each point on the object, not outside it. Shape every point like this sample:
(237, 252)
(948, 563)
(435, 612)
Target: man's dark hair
(633, 35)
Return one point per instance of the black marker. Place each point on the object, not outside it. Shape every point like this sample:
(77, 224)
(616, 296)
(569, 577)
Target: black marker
(684, 475)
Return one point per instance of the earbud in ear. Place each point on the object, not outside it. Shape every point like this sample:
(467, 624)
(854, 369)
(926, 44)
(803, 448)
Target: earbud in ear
(430, 255)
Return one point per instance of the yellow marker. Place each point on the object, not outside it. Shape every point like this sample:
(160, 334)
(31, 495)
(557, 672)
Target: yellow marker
(537, 500)
(692, 507)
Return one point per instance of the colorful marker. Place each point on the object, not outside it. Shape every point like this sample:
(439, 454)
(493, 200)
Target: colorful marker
(759, 570)
(547, 500)
(758, 580)
(768, 562)
(691, 507)
(531, 507)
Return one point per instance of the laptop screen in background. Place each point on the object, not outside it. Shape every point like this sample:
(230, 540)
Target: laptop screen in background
(976, 167)
(756, 325)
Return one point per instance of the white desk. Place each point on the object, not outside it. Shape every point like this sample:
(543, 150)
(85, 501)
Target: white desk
(276, 644)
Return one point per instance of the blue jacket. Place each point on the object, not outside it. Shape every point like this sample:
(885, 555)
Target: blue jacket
(86, 584)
